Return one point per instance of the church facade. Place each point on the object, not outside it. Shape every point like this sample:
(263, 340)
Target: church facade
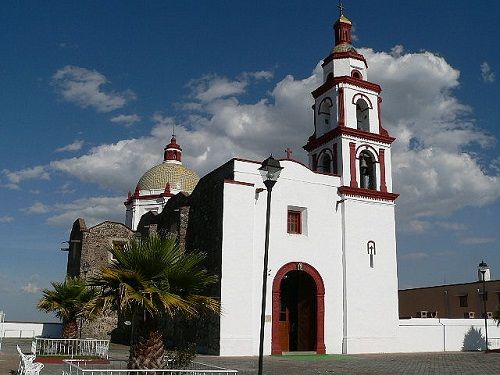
(332, 274)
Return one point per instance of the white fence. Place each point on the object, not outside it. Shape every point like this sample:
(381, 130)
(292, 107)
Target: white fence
(78, 367)
(70, 347)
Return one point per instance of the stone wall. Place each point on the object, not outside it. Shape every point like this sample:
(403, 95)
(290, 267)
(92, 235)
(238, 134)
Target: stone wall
(88, 254)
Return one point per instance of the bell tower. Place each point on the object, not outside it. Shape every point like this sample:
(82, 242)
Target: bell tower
(350, 141)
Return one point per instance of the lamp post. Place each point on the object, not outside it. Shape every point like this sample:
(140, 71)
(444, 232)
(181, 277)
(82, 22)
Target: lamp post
(270, 170)
(483, 267)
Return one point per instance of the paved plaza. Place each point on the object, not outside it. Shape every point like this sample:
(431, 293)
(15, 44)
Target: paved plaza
(449, 363)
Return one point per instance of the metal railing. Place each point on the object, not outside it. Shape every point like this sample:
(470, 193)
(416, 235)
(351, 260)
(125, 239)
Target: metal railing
(79, 367)
(70, 347)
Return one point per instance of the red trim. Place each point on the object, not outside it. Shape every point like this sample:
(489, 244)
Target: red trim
(314, 143)
(352, 149)
(320, 305)
(344, 55)
(367, 193)
(150, 196)
(234, 182)
(381, 160)
(341, 107)
(366, 147)
(348, 80)
(364, 97)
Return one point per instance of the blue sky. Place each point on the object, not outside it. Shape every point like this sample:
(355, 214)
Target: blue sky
(90, 91)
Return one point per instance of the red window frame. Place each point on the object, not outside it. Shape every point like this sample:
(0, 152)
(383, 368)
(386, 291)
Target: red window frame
(294, 222)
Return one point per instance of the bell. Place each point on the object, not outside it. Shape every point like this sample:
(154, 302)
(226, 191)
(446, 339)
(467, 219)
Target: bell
(363, 166)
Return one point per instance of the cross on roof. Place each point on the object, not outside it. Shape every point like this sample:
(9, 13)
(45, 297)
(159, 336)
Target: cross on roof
(341, 8)
(289, 153)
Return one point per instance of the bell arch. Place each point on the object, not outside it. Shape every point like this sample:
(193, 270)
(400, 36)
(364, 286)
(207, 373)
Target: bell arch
(320, 305)
(324, 116)
(325, 161)
(367, 170)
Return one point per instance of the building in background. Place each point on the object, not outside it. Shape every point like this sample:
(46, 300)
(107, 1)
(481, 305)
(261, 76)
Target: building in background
(454, 301)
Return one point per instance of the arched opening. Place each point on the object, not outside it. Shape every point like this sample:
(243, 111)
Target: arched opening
(324, 114)
(367, 170)
(298, 310)
(297, 318)
(356, 74)
(362, 115)
(325, 163)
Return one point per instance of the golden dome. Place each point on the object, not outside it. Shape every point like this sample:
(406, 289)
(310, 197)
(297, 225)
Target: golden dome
(178, 176)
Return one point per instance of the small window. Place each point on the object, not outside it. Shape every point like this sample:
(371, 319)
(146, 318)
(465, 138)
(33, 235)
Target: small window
(116, 245)
(463, 301)
(356, 74)
(294, 222)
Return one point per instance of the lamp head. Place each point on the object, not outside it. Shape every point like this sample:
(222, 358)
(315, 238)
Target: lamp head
(270, 169)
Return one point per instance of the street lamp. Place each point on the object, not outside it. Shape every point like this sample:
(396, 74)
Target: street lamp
(270, 170)
(483, 267)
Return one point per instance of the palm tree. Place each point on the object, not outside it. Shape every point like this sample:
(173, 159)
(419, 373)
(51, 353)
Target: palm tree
(70, 300)
(152, 278)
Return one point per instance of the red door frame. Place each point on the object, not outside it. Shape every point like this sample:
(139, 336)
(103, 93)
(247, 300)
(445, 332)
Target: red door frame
(320, 305)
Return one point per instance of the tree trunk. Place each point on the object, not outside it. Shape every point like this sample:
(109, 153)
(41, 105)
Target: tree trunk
(146, 349)
(70, 329)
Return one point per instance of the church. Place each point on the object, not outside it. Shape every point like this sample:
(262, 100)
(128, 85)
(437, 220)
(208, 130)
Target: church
(332, 283)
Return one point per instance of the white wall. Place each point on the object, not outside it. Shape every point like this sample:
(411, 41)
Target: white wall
(27, 329)
(436, 335)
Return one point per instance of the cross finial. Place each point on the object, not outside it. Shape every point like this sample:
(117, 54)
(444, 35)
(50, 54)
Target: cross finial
(341, 8)
(289, 153)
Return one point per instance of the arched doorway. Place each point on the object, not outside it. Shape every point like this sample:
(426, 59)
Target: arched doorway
(298, 309)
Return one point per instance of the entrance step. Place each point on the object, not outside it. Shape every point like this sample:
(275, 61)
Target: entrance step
(299, 353)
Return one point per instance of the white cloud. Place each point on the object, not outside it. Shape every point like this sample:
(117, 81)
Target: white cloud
(16, 177)
(31, 288)
(477, 240)
(451, 226)
(127, 120)
(75, 146)
(486, 72)
(84, 87)
(211, 87)
(431, 166)
(93, 210)
(6, 219)
(36, 208)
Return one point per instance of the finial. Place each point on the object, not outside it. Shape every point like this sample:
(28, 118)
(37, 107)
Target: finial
(288, 153)
(173, 129)
(341, 8)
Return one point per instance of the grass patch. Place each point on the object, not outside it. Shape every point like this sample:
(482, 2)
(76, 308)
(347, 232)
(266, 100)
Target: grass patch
(318, 357)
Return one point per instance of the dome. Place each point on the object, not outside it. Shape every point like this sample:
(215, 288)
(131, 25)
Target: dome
(343, 47)
(179, 177)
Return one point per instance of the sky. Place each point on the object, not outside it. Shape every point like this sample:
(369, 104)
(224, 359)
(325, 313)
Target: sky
(90, 92)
